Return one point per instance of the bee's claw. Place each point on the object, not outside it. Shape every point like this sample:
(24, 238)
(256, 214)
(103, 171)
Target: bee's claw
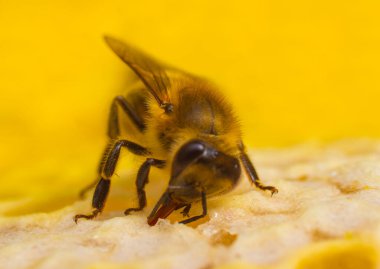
(186, 210)
(185, 213)
(76, 217)
(81, 216)
(129, 210)
(273, 190)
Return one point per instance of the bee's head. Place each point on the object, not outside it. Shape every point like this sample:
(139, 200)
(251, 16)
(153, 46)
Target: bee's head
(197, 167)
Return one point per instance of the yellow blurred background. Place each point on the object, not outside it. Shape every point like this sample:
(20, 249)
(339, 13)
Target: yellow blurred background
(294, 70)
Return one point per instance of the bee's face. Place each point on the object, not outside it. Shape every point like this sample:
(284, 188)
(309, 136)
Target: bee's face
(199, 167)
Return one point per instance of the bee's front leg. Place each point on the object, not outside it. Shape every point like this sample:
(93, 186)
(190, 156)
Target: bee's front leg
(251, 171)
(106, 171)
(186, 210)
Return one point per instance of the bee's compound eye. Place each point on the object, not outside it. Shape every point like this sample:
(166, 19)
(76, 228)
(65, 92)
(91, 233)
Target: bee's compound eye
(191, 151)
(187, 154)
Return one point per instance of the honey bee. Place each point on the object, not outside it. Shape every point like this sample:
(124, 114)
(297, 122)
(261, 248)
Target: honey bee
(186, 125)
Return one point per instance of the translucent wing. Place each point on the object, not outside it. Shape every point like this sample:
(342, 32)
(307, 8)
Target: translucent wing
(151, 73)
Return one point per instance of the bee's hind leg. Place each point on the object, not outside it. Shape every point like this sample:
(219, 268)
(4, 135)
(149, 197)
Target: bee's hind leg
(204, 213)
(98, 200)
(114, 131)
(142, 180)
(252, 174)
(106, 152)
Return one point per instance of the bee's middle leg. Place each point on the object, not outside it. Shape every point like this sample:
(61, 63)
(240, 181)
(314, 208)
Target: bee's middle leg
(98, 200)
(142, 180)
(106, 172)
